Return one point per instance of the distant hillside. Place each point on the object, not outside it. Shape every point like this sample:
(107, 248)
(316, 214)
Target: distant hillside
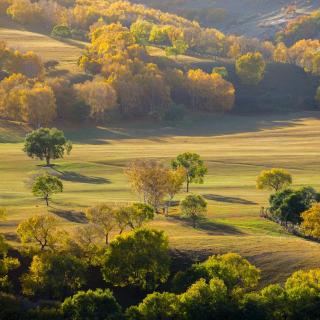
(254, 18)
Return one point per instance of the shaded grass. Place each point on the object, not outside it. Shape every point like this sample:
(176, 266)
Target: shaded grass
(235, 150)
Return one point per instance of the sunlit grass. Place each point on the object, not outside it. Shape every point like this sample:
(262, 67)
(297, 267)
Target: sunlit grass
(235, 149)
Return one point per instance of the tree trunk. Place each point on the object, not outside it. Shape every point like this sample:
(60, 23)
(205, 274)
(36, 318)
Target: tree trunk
(47, 201)
(188, 185)
(48, 161)
(107, 238)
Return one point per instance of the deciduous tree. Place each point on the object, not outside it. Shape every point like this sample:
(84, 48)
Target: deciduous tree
(194, 207)
(54, 276)
(140, 258)
(250, 68)
(150, 180)
(47, 144)
(311, 221)
(99, 305)
(274, 179)
(41, 230)
(103, 216)
(194, 166)
(45, 186)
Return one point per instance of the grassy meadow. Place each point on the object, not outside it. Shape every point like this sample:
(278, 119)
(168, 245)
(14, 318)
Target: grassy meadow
(235, 148)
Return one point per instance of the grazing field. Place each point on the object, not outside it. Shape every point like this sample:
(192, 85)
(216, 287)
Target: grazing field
(235, 148)
(66, 52)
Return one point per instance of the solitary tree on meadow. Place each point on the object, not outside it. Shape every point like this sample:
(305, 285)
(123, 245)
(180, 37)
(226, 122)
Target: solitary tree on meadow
(47, 144)
(194, 166)
(274, 179)
(45, 186)
(194, 207)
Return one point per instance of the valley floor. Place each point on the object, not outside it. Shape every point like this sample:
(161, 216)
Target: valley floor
(235, 148)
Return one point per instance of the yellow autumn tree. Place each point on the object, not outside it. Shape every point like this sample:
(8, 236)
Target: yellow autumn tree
(210, 92)
(99, 96)
(311, 221)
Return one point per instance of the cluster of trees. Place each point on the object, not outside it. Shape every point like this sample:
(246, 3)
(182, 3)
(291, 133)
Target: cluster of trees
(125, 79)
(296, 209)
(27, 100)
(302, 27)
(14, 61)
(221, 287)
(74, 19)
(136, 86)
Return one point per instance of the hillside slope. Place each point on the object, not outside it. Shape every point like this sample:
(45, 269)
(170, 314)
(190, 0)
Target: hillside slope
(254, 18)
(66, 52)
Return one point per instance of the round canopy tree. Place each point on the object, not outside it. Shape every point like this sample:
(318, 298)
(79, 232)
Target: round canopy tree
(98, 304)
(195, 168)
(274, 179)
(45, 186)
(194, 207)
(46, 143)
(140, 258)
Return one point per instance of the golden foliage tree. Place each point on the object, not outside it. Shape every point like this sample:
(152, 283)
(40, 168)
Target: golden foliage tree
(99, 95)
(150, 180)
(210, 92)
(311, 221)
(274, 179)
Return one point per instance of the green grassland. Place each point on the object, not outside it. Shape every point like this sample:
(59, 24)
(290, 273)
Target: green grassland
(235, 148)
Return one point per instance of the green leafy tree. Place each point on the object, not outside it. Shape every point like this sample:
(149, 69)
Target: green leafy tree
(41, 230)
(47, 144)
(194, 207)
(303, 290)
(163, 306)
(178, 47)
(61, 31)
(274, 179)
(45, 186)
(53, 276)
(250, 68)
(140, 258)
(236, 273)
(88, 305)
(134, 216)
(6, 264)
(141, 30)
(194, 166)
(288, 205)
(204, 301)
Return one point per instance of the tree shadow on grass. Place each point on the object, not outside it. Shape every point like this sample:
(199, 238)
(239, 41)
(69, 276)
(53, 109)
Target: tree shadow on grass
(11, 236)
(73, 176)
(78, 177)
(72, 216)
(226, 199)
(210, 227)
